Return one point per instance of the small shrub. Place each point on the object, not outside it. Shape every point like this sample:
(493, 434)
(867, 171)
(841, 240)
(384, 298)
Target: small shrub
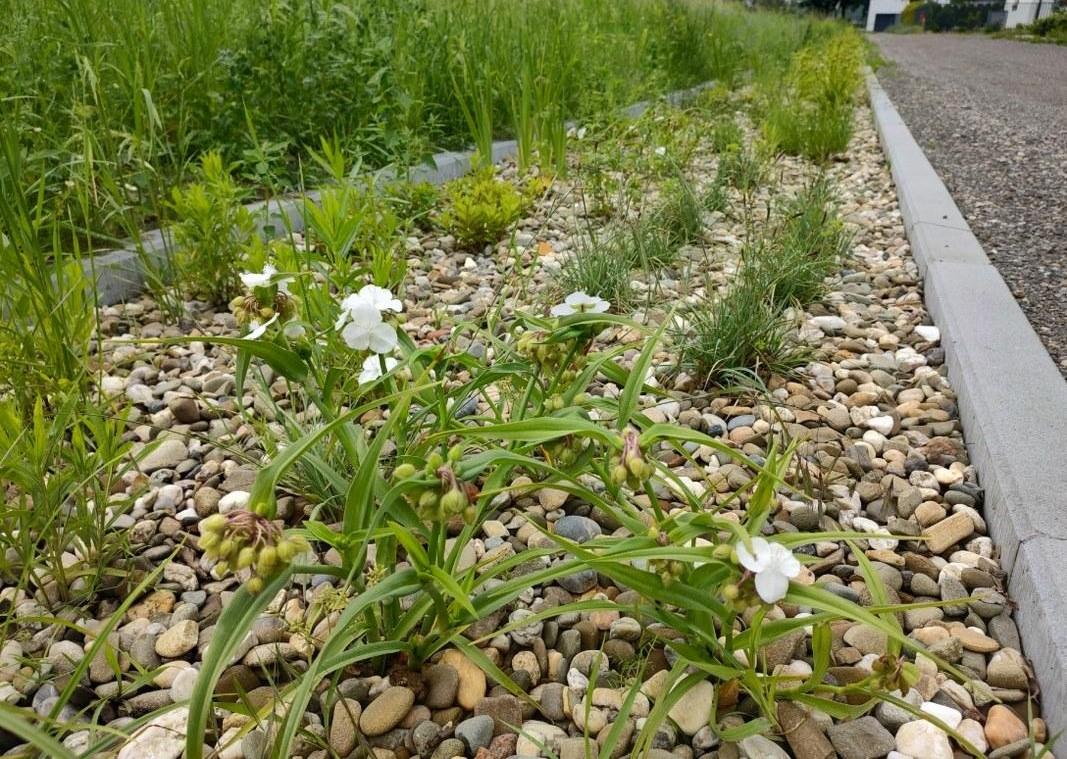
(57, 470)
(807, 246)
(601, 268)
(480, 209)
(727, 135)
(357, 231)
(210, 233)
(736, 336)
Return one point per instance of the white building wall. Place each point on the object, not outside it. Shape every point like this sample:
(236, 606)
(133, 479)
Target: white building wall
(878, 7)
(1022, 12)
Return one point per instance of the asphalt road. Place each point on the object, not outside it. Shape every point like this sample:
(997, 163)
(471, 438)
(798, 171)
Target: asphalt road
(992, 117)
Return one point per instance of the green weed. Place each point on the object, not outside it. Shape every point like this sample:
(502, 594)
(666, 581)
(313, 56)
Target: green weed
(210, 234)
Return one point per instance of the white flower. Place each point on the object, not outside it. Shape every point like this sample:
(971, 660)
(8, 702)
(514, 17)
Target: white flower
(774, 566)
(380, 298)
(253, 279)
(661, 150)
(258, 330)
(580, 303)
(365, 328)
(377, 297)
(372, 368)
(294, 330)
(581, 133)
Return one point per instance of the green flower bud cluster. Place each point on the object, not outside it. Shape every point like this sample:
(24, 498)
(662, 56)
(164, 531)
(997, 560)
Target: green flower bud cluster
(439, 493)
(564, 452)
(633, 468)
(248, 308)
(669, 570)
(246, 540)
(549, 356)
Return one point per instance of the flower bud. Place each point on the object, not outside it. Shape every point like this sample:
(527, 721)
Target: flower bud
(404, 471)
(213, 523)
(267, 561)
(245, 557)
(453, 501)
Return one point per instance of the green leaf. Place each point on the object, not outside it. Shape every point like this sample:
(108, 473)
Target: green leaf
(636, 380)
(234, 623)
(451, 587)
(20, 722)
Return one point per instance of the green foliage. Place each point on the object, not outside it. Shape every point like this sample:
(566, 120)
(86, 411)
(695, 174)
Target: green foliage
(414, 201)
(413, 488)
(1052, 28)
(58, 471)
(727, 135)
(46, 310)
(601, 267)
(358, 230)
(806, 247)
(680, 212)
(118, 100)
(744, 168)
(480, 208)
(736, 336)
(810, 114)
(210, 234)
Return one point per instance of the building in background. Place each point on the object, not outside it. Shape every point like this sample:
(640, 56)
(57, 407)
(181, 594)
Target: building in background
(1022, 12)
(882, 14)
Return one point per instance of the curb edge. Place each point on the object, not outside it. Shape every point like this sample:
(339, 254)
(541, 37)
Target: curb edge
(1012, 401)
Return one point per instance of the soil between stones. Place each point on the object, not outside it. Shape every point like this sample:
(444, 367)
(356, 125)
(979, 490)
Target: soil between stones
(877, 426)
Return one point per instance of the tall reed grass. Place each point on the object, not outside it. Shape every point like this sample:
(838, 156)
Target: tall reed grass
(115, 101)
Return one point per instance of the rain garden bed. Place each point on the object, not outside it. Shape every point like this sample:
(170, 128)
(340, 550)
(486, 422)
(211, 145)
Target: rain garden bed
(638, 444)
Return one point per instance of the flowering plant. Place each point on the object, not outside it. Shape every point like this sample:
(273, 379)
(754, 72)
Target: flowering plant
(408, 455)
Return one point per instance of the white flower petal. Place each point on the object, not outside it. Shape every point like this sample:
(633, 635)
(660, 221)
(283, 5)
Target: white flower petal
(756, 561)
(372, 368)
(562, 310)
(252, 279)
(356, 336)
(383, 338)
(258, 330)
(783, 560)
(771, 585)
(600, 306)
(380, 298)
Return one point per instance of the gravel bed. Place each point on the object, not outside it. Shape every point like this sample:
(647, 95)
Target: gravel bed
(991, 116)
(875, 419)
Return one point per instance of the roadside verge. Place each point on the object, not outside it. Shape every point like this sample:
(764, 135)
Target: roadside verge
(1012, 402)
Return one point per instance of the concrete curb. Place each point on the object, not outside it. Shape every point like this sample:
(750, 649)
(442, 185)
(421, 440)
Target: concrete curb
(1012, 402)
(120, 274)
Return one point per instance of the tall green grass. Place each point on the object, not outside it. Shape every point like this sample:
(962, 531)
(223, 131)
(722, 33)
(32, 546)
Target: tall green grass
(115, 100)
(810, 112)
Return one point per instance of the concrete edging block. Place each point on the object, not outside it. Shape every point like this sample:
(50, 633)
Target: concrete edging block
(1012, 402)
